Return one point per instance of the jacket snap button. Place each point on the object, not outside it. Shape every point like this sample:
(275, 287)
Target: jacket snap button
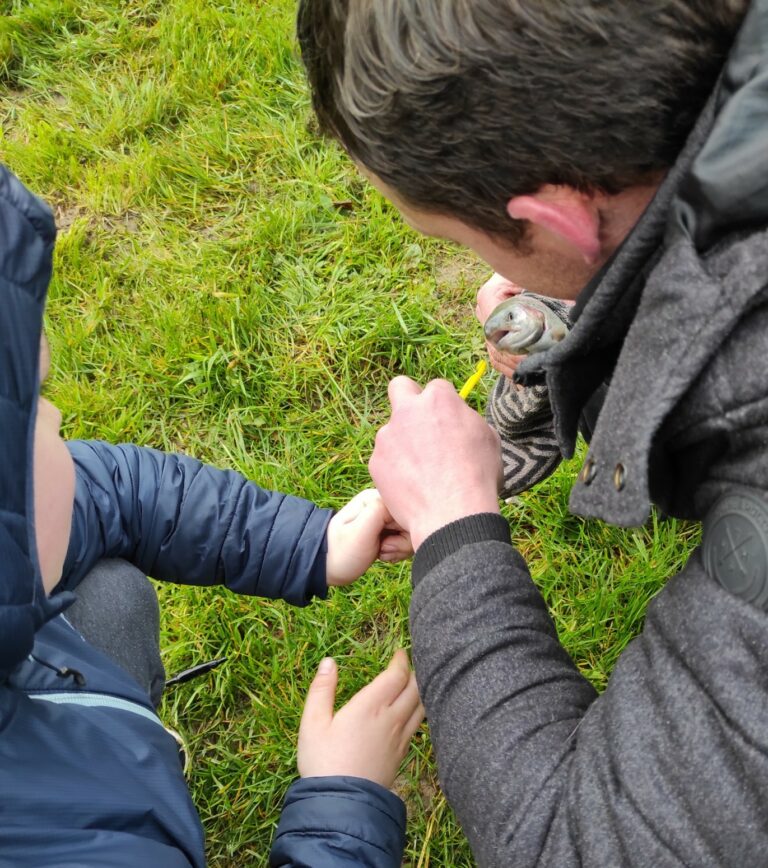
(588, 471)
(619, 476)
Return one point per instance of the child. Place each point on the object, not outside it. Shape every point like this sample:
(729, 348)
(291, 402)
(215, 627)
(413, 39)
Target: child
(88, 774)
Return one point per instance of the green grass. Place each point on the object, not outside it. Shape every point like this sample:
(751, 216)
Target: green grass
(226, 285)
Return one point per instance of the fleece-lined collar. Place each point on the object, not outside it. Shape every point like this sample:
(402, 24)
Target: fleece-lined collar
(673, 292)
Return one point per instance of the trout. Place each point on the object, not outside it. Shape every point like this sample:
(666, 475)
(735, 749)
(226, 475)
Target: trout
(525, 324)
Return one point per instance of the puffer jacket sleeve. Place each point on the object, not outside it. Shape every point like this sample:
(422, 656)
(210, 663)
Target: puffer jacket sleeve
(180, 520)
(333, 822)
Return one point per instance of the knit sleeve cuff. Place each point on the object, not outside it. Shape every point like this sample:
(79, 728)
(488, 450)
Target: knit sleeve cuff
(450, 538)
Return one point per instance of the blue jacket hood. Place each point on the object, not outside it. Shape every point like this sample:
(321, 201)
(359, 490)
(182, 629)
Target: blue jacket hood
(27, 234)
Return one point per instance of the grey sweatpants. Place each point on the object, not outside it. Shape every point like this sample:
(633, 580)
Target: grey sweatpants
(117, 612)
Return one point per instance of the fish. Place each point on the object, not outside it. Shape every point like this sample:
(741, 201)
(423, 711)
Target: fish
(523, 324)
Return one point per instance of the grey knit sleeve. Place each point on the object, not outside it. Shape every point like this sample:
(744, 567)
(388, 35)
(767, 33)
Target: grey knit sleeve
(503, 698)
(668, 767)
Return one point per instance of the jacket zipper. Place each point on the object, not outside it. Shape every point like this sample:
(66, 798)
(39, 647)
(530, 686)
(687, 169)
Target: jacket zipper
(97, 700)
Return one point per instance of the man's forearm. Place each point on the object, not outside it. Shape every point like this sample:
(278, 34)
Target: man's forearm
(668, 767)
(502, 697)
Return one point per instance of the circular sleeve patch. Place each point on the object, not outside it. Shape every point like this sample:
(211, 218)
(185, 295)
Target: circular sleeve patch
(735, 546)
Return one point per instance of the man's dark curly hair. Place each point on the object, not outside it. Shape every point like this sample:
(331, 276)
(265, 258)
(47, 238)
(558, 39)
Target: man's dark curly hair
(459, 105)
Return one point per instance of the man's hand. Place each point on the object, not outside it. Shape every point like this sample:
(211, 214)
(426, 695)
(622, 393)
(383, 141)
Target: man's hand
(436, 460)
(358, 534)
(369, 736)
(489, 296)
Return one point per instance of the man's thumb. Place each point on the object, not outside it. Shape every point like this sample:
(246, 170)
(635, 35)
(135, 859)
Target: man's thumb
(322, 693)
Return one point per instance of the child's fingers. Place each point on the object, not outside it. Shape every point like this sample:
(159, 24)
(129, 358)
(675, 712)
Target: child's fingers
(400, 662)
(367, 511)
(394, 557)
(413, 723)
(406, 681)
(407, 700)
(370, 496)
(395, 547)
(388, 685)
(318, 707)
(369, 524)
(350, 511)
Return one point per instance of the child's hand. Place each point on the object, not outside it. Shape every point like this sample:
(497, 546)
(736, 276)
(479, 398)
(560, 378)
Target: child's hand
(360, 533)
(369, 736)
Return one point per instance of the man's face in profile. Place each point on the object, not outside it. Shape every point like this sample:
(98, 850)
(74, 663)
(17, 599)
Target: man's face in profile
(543, 265)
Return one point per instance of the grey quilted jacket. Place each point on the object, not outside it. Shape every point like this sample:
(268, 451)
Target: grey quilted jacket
(669, 766)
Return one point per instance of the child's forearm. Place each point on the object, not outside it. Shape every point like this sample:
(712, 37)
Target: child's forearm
(339, 821)
(180, 520)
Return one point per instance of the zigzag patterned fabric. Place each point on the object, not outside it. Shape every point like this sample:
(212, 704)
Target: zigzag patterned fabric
(522, 416)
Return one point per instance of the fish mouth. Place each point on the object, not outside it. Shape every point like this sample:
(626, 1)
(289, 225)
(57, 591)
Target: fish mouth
(496, 335)
(514, 336)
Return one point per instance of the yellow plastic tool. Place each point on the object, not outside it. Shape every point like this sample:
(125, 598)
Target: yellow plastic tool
(481, 368)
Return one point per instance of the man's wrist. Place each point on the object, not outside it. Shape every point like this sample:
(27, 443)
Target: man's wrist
(479, 527)
(435, 519)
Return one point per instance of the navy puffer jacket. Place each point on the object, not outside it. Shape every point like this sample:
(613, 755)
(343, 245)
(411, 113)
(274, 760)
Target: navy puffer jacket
(88, 774)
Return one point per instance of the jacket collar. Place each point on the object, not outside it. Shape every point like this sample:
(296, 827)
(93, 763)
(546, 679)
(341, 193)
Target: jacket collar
(661, 307)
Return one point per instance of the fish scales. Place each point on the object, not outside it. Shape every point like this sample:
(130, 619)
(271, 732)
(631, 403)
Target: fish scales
(524, 324)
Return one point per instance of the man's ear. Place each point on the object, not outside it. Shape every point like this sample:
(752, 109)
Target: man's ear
(565, 212)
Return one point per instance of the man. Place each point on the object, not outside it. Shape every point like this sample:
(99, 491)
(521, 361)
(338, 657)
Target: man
(617, 154)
